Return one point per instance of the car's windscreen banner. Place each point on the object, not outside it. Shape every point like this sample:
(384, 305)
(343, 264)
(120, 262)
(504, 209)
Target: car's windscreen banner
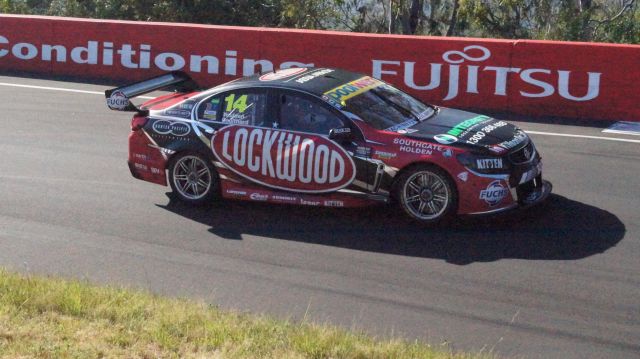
(539, 78)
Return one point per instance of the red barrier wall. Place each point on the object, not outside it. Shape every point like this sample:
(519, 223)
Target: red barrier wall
(538, 78)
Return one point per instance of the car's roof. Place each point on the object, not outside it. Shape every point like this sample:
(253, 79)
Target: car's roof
(314, 80)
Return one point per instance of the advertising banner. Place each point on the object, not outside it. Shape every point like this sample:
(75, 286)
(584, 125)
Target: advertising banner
(536, 78)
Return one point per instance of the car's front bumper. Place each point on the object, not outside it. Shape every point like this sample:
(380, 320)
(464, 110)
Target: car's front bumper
(534, 194)
(537, 194)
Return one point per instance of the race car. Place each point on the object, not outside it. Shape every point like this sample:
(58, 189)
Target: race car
(326, 137)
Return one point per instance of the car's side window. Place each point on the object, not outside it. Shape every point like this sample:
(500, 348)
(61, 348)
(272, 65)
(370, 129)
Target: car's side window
(299, 113)
(240, 107)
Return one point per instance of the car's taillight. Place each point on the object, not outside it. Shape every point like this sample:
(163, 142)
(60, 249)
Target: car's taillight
(138, 122)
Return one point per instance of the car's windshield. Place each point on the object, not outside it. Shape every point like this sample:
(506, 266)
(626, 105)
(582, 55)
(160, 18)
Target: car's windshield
(386, 108)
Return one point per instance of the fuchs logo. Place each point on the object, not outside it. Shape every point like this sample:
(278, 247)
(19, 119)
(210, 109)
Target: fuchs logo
(494, 193)
(558, 81)
(282, 74)
(445, 139)
(117, 101)
(171, 128)
(283, 159)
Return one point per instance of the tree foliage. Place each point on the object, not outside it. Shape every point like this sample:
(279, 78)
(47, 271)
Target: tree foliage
(574, 20)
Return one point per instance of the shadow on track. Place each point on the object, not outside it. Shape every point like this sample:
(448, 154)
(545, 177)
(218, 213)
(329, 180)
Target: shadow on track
(559, 229)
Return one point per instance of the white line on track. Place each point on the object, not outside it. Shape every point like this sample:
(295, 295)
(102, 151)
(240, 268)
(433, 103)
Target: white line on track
(583, 136)
(147, 97)
(62, 89)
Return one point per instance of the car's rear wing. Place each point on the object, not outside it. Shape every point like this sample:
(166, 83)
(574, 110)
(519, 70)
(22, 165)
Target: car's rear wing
(119, 98)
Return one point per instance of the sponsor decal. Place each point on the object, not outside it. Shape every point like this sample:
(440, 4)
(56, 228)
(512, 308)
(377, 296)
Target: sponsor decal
(140, 166)
(211, 109)
(283, 198)
(164, 127)
(489, 163)
(333, 203)
(445, 139)
(117, 101)
(282, 74)
(341, 130)
(418, 147)
(402, 126)
(259, 196)
(332, 102)
(352, 89)
(494, 193)
(517, 139)
(559, 81)
(385, 155)
(236, 118)
(448, 153)
(463, 176)
(178, 113)
(309, 203)
(362, 151)
(283, 159)
(461, 129)
(485, 131)
(236, 192)
(187, 105)
(140, 156)
(313, 75)
(407, 130)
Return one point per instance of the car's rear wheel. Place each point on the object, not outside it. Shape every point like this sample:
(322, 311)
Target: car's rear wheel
(426, 194)
(193, 178)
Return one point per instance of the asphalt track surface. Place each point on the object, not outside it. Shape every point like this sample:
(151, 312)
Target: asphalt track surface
(557, 281)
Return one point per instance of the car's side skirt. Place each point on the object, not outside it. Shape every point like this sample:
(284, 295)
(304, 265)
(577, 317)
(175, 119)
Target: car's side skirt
(343, 198)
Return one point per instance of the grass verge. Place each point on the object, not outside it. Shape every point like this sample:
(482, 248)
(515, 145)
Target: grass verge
(53, 318)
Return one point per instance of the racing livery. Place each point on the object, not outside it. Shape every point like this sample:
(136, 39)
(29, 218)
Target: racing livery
(327, 137)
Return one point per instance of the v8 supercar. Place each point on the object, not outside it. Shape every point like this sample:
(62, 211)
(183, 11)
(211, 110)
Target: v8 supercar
(327, 137)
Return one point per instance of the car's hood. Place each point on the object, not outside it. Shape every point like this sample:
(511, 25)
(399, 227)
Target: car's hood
(463, 128)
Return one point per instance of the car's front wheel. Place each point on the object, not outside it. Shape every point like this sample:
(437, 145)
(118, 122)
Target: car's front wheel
(193, 178)
(426, 194)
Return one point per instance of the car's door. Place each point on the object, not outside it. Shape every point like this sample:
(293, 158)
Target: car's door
(305, 114)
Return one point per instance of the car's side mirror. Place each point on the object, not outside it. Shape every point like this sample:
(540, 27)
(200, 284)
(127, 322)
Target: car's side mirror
(341, 134)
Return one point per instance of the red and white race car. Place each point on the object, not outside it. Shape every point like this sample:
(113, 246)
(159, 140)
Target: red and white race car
(327, 137)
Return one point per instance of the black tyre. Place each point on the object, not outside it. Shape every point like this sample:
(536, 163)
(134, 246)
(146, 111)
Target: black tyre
(193, 178)
(426, 194)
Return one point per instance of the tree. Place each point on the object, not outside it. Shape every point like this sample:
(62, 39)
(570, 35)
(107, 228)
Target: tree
(573, 20)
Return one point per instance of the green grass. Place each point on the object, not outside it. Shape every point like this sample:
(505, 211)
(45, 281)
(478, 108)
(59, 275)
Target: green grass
(53, 318)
